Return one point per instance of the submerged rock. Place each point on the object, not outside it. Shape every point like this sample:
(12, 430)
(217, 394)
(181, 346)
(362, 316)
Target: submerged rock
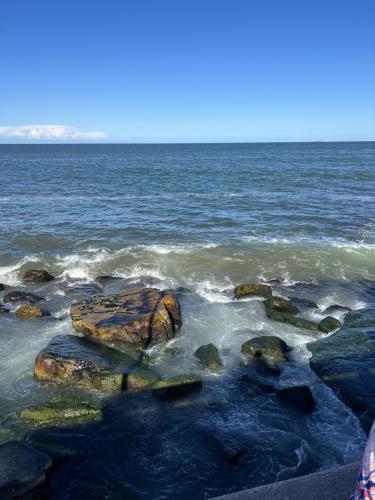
(3, 287)
(178, 386)
(268, 347)
(23, 471)
(37, 276)
(296, 321)
(336, 308)
(209, 356)
(84, 289)
(72, 360)
(142, 316)
(30, 312)
(280, 305)
(303, 303)
(329, 324)
(345, 362)
(3, 310)
(18, 296)
(299, 397)
(248, 289)
(61, 413)
(105, 280)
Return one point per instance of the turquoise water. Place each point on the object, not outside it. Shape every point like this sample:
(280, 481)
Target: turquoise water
(203, 217)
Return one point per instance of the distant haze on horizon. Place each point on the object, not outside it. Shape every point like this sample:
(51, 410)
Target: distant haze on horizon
(187, 72)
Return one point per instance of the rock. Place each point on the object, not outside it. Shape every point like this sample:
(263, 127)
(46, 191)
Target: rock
(22, 471)
(345, 362)
(37, 276)
(329, 324)
(140, 378)
(105, 280)
(247, 290)
(208, 355)
(61, 413)
(84, 289)
(292, 320)
(178, 386)
(303, 303)
(299, 397)
(3, 310)
(18, 296)
(274, 281)
(268, 347)
(30, 312)
(144, 316)
(73, 360)
(336, 308)
(3, 287)
(280, 305)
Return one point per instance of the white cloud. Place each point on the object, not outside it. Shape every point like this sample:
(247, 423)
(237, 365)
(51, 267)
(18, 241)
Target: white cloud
(50, 132)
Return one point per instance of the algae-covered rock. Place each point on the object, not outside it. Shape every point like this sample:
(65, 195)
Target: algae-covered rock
(299, 397)
(23, 471)
(178, 386)
(30, 312)
(37, 276)
(280, 305)
(209, 356)
(268, 347)
(142, 316)
(78, 361)
(61, 413)
(249, 289)
(329, 324)
(292, 320)
(140, 378)
(19, 296)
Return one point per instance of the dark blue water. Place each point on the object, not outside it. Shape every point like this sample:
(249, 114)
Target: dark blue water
(204, 217)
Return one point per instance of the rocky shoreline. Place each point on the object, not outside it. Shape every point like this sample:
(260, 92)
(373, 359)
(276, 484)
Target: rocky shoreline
(110, 354)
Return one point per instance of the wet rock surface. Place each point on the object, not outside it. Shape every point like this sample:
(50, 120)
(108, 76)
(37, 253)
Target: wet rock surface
(209, 357)
(3, 310)
(19, 296)
(3, 287)
(30, 312)
(57, 413)
(37, 276)
(176, 387)
(23, 471)
(329, 324)
(73, 360)
(278, 304)
(334, 308)
(249, 289)
(268, 347)
(142, 316)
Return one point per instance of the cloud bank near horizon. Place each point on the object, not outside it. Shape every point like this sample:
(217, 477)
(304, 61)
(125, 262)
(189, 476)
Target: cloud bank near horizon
(50, 132)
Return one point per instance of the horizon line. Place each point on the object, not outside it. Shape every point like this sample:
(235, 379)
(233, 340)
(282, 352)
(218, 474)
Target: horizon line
(62, 143)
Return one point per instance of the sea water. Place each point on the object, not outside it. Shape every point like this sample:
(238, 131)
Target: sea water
(201, 218)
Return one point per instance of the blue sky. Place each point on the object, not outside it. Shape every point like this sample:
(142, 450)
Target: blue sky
(187, 70)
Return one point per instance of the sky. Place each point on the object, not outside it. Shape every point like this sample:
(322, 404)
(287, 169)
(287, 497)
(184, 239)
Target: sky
(187, 70)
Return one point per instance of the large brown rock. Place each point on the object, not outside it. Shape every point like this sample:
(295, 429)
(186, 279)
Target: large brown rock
(30, 312)
(37, 276)
(143, 316)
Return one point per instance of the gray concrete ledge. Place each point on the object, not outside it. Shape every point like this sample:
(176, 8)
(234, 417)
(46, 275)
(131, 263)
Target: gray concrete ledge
(338, 484)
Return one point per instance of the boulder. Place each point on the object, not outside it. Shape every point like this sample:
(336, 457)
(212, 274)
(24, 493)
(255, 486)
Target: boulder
(106, 280)
(3, 287)
(296, 321)
(247, 290)
(144, 316)
(23, 471)
(267, 347)
(30, 312)
(178, 386)
(280, 305)
(57, 413)
(37, 276)
(18, 296)
(209, 356)
(139, 379)
(336, 308)
(73, 360)
(3, 310)
(329, 324)
(299, 397)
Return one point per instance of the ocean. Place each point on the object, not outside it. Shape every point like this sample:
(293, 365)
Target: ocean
(199, 218)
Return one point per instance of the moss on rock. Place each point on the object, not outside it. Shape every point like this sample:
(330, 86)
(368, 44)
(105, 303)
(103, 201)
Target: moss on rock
(250, 289)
